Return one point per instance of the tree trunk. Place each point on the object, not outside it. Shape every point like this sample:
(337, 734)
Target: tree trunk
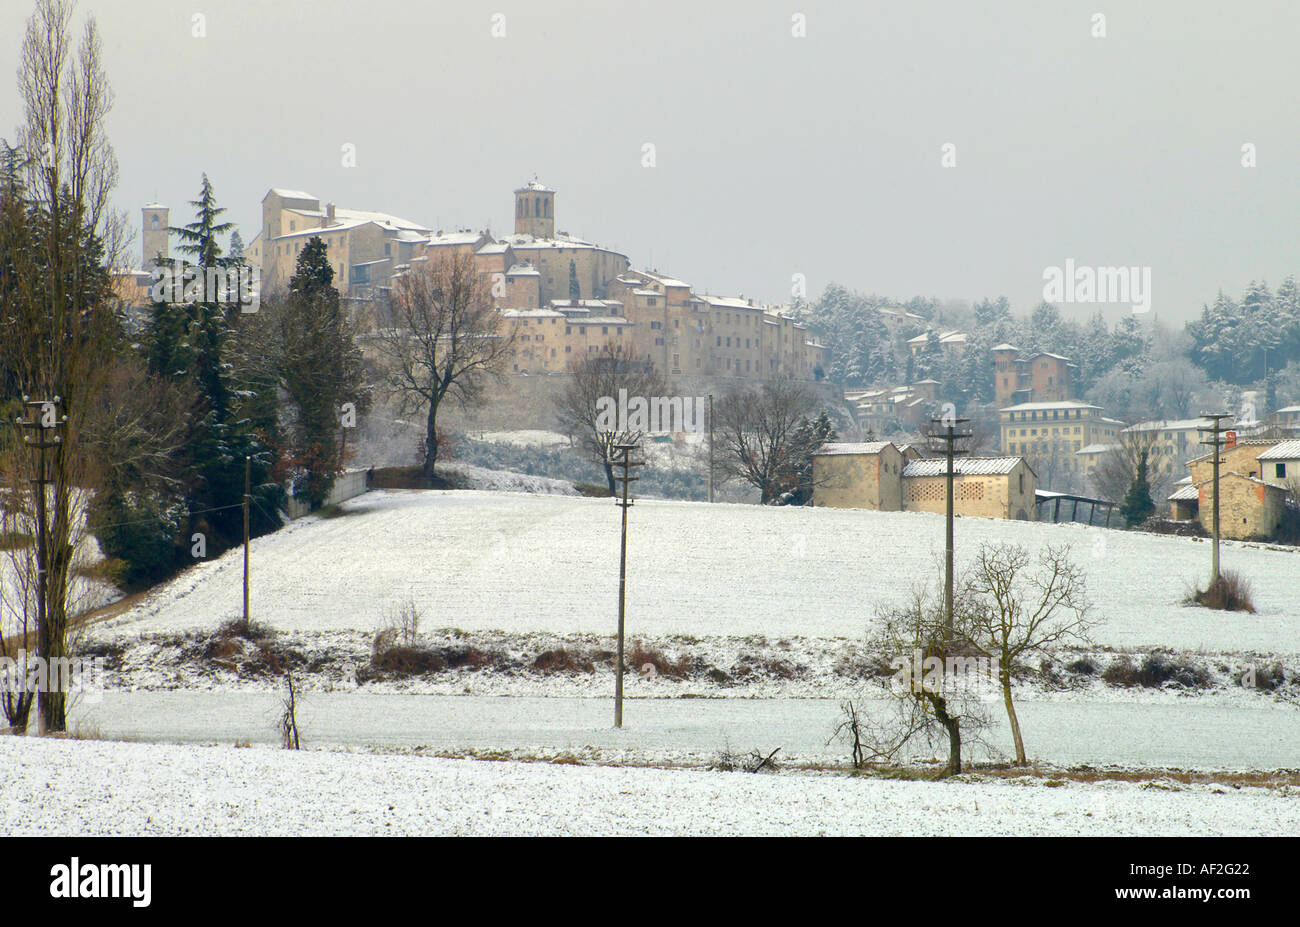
(953, 727)
(609, 479)
(1005, 674)
(431, 441)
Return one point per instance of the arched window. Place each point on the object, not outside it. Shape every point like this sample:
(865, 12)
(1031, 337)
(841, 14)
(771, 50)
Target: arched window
(548, 209)
(537, 206)
(154, 222)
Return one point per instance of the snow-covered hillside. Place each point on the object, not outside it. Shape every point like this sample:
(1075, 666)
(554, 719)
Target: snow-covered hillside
(508, 561)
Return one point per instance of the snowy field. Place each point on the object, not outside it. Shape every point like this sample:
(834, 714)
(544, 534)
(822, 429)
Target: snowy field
(524, 563)
(1190, 734)
(90, 788)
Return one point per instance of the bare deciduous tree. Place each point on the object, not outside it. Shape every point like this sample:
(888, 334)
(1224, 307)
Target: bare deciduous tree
(1117, 468)
(595, 382)
(758, 429)
(931, 698)
(445, 338)
(1012, 611)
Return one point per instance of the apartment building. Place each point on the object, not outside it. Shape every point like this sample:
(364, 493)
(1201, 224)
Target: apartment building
(1059, 429)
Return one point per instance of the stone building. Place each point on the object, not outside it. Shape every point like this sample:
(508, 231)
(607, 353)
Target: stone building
(365, 248)
(1256, 479)
(885, 477)
(1037, 377)
(859, 476)
(1250, 507)
(1068, 431)
(992, 487)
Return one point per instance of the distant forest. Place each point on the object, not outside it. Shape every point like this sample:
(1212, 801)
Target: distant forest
(1137, 369)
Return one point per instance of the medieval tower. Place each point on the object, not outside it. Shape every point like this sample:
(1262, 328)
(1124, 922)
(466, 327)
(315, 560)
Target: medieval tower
(154, 236)
(535, 210)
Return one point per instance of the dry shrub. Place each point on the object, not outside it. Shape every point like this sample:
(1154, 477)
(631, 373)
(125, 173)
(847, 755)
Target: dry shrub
(249, 630)
(1121, 672)
(247, 648)
(1084, 666)
(1269, 678)
(750, 665)
(1156, 670)
(470, 657)
(1231, 593)
(405, 661)
(641, 656)
(562, 660)
(401, 630)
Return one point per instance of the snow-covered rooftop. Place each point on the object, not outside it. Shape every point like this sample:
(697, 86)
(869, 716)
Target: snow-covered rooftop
(1181, 424)
(1286, 450)
(1040, 406)
(962, 466)
(841, 448)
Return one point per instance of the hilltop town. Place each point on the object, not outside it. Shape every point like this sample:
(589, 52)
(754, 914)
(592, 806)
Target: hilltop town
(568, 299)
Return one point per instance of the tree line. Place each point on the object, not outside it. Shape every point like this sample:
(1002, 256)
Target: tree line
(1136, 369)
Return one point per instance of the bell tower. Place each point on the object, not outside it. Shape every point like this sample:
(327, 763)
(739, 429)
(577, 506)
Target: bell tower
(535, 210)
(154, 236)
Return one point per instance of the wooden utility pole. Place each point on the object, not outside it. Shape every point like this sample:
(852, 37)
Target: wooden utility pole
(710, 447)
(45, 420)
(949, 435)
(248, 497)
(625, 463)
(1216, 444)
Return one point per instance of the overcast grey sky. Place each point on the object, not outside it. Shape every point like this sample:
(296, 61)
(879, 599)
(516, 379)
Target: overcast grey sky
(775, 155)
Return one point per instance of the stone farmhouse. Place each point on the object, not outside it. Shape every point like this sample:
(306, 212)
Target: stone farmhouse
(1259, 481)
(884, 476)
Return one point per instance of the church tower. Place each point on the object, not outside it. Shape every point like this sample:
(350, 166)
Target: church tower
(154, 237)
(535, 210)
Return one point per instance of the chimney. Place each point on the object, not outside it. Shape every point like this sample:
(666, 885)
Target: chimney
(329, 211)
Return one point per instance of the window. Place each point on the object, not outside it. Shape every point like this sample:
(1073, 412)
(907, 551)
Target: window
(1280, 471)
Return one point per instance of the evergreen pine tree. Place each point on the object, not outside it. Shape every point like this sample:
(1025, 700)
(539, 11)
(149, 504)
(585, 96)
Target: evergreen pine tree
(319, 369)
(1137, 506)
(575, 290)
